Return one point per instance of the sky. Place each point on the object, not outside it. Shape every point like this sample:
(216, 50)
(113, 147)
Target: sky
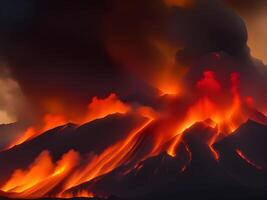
(69, 51)
(254, 13)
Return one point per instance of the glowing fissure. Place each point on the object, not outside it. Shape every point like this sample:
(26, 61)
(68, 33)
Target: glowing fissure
(246, 159)
(49, 122)
(108, 160)
(226, 120)
(189, 155)
(43, 175)
(97, 108)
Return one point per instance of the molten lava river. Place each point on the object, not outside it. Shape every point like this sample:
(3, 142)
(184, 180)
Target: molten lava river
(156, 129)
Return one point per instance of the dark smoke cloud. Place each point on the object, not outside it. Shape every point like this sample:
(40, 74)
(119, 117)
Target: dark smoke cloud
(206, 28)
(246, 5)
(55, 48)
(254, 13)
(73, 50)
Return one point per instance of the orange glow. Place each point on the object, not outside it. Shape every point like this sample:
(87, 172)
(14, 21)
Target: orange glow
(49, 121)
(172, 148)
(210, 144)
(22, 180)
(216, 104)
(208, 82)
(80, 193)
(109, 159)
(226, 118)
(180, 3)
(99, 108)
(245, 158)
(167, 79)
(41, 176)
(190, 157)
(167, 87)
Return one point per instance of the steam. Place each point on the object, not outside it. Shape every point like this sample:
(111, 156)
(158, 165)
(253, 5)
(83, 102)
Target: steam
(12, 101)
(257, 32)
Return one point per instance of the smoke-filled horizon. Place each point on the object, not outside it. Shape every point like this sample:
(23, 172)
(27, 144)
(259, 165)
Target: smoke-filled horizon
(63, 53)
(133, 99)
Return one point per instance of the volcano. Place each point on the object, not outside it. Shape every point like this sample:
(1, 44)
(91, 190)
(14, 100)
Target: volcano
(211, 145)
(194, 172)
(133, 99)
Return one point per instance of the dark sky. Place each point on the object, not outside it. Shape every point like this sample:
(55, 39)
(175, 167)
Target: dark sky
(246, 5)
(73, 50)
(55, 47)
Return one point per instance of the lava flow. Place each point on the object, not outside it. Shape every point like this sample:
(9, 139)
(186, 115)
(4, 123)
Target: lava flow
(45, 178)
(246, 159)
(141, 99)
(97, 108)
(41, 176)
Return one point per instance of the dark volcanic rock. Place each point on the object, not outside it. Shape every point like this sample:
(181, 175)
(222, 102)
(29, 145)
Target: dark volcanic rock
(10, 131)
(251, 139)
(204, 177)
(147, 176)
(193, 173)
(92, 137)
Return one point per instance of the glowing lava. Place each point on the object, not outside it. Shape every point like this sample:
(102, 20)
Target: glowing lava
(164, 130)
(49, 122)
(208, 106)
(246, 159)
(97, 108)
(108, 160)
(100, 108)
(41, 176)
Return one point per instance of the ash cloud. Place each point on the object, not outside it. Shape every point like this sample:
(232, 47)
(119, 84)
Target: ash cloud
(246, 5)
(254, 13)
(75, 50)
(207, 36)
(12, 100)
(207, 27)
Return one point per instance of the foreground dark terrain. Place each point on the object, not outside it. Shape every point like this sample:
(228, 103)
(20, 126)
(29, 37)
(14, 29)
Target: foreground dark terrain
(194, 173)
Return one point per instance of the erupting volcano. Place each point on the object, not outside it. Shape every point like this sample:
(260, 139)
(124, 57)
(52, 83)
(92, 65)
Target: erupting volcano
(136, 99)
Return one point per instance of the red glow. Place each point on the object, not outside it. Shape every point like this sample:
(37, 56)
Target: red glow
(49, 121)
(180, 3)
(246, 159)
(165, 134)
(227, 118)
(41, 176)
(208, 82)
(97, 108)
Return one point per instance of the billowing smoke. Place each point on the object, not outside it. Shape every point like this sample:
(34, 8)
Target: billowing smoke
(67, 52)
(171, 64)
(254, 13)
(12, 100)
(170, 45)
(14, 109)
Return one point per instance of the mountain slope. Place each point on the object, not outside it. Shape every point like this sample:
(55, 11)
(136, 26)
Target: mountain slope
(194, 172)
(92, 137)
